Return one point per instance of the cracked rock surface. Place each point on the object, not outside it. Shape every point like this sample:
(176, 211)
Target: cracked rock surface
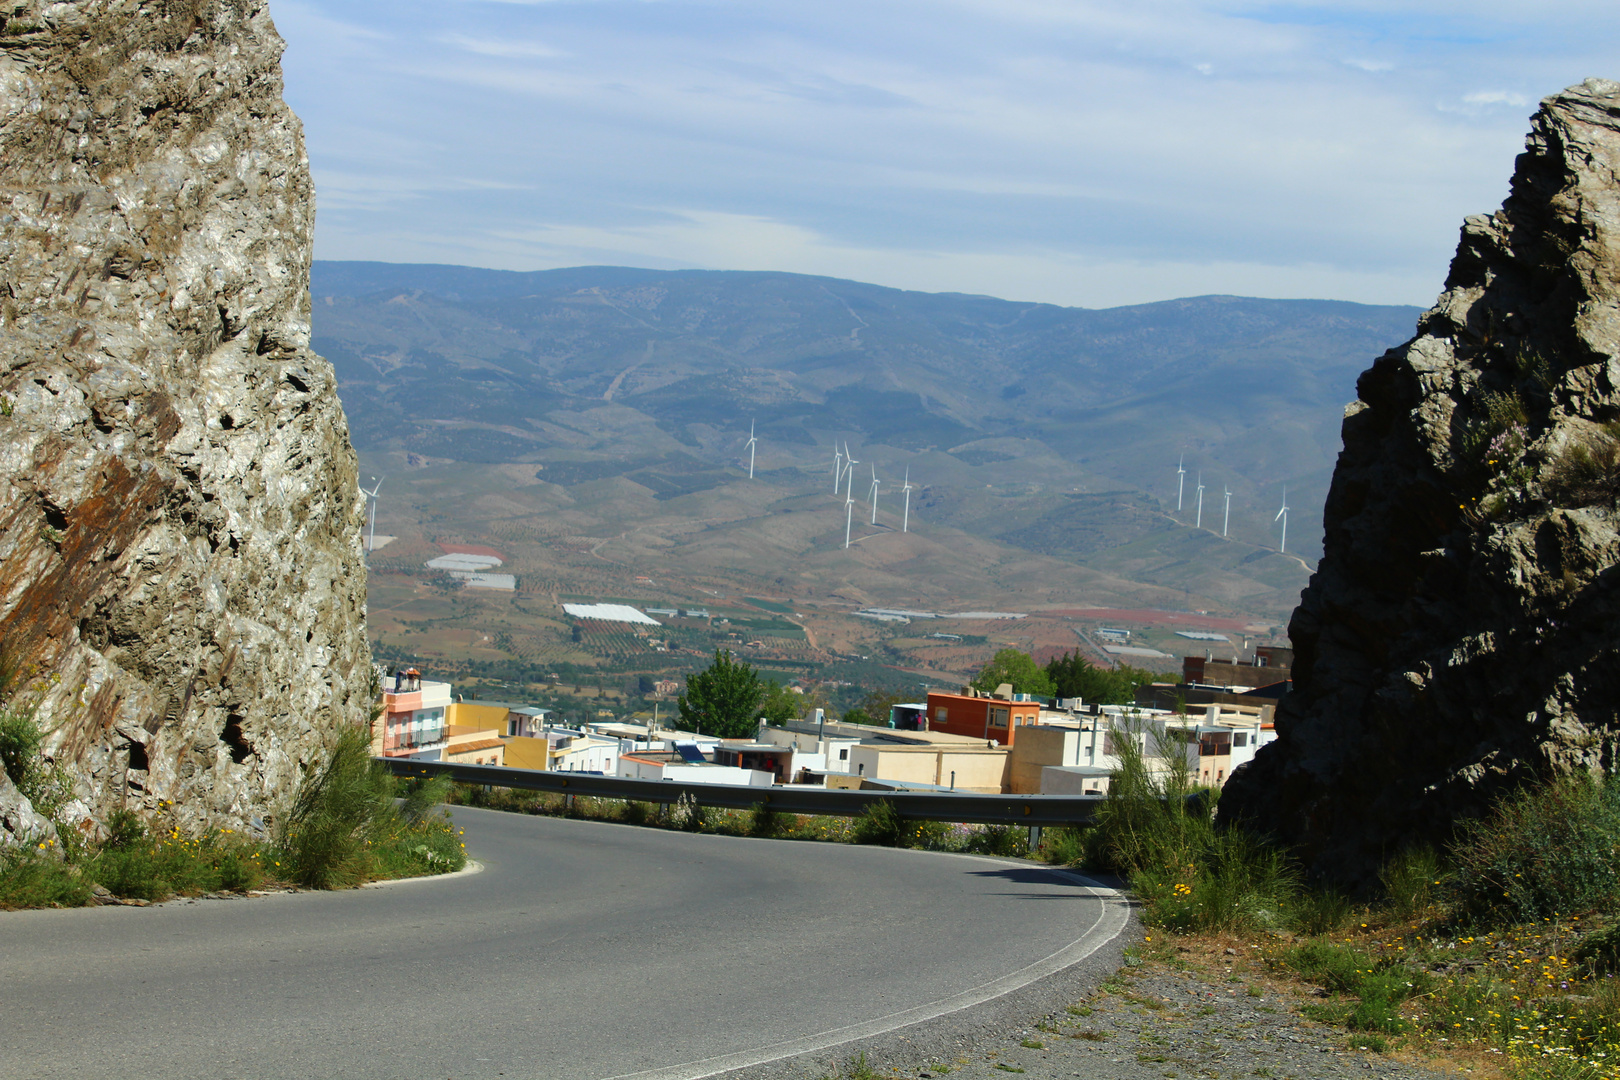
(181, 576)
(1461, 636)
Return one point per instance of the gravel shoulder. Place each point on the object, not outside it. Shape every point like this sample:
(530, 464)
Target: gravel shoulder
(1170, 1009)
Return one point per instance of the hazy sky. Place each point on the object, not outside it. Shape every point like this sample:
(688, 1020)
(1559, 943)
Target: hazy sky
(1060, 150)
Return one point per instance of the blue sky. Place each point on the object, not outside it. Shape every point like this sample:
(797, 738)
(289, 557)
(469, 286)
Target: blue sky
(1080, 153)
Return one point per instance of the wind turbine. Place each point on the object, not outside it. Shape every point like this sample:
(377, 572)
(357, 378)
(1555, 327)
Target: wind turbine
(751, 442)
(849, 469)
(1181, 479)
(849, 517)
(371, 545)
(1282, 516)
(838, 467)
(1199, 523)
(871, 496)
(905, 518)
(1227, 518)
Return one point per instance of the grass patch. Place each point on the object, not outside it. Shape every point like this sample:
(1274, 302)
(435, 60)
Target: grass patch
(342, 828)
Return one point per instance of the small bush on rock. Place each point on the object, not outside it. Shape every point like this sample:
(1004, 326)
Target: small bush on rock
(1542, 851)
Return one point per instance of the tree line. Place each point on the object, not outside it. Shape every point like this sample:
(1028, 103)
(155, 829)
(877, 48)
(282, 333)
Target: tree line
(729, 697)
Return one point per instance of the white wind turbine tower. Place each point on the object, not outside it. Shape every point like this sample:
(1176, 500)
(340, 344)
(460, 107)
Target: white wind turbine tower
(371, 544)
(1282, 516)
(838, 467)
(871, 496)
(1199, 523)
(905, 518)
(849, 517)
(751, 442)
(1226, 520)
(849, 469)
(1181, 480)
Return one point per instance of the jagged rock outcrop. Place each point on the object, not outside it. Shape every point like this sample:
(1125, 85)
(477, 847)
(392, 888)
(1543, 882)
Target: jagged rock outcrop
(1462, 634)
(181, 576)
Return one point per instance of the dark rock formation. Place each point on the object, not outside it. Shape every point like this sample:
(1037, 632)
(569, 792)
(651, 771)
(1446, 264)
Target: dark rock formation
(181, 578)
(1462, 635)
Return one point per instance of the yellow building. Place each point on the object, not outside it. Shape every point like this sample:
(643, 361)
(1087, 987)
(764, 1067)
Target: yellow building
(468, 745)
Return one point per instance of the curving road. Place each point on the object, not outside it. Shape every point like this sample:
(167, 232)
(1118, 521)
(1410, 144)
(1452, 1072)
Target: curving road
(583, 950)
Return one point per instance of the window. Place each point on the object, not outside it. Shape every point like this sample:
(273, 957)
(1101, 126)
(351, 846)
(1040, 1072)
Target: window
(941, 714)
(1240, 738)
(998, 717)
(843, 755)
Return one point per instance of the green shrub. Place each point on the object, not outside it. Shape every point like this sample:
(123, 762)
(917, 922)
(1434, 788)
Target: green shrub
(340, 810)
(1599, 952)
(1337, 967)
(30, 878)
(1587, 473)
(765, 821)
(423, 797)
(20, 740)
(135, 864)
(880, 824)
(1064, 845)
(1320, 910)
(1540, 851)
(1380, 987)
(1007, 840)
(1411, 881)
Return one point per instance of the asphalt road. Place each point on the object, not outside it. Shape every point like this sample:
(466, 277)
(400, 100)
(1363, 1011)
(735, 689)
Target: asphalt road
(583, 950)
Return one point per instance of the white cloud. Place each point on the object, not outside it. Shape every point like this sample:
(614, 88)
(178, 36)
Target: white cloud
(506, 49)
(1076, 150)
(1496, 97)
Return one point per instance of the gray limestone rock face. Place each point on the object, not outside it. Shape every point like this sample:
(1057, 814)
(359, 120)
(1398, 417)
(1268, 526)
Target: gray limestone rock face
(181, 578)
(1462, 634)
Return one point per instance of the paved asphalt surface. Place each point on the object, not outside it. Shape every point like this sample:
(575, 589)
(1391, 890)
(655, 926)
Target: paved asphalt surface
(583, 950)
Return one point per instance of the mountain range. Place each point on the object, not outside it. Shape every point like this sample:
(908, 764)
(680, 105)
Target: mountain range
(1052, 430)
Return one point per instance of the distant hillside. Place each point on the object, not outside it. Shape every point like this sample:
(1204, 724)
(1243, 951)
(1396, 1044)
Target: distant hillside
(1056, 430)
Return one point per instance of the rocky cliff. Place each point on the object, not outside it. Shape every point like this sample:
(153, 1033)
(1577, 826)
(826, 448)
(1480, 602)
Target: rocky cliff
(1462, 634)
(181, 576)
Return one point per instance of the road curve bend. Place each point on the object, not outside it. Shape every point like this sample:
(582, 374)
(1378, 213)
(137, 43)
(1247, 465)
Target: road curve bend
(583, 951)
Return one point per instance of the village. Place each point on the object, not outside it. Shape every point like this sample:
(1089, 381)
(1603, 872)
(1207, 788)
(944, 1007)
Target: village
(1001, 742)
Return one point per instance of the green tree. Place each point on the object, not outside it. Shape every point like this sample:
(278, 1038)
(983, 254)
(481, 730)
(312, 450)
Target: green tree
(1018, 668)
(873, 708)
(723, 699)
(1073, 676)
(780, 704)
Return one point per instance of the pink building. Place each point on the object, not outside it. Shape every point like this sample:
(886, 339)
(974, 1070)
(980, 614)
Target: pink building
(412, 724)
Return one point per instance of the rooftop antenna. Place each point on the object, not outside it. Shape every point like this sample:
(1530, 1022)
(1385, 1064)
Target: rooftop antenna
(751, 442)
(871, 496)
(1282, 516)
(1227, 518)
(371, 544)
(1181, 479)
(905, 518)
(1199, 523)
(838, 467)
(849, 517)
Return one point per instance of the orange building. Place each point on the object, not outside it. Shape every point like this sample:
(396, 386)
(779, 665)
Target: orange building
(980, 717)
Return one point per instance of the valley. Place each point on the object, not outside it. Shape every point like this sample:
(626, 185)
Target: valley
(592, 426)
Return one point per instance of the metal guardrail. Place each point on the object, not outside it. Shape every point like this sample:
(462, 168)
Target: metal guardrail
(1038, 810)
